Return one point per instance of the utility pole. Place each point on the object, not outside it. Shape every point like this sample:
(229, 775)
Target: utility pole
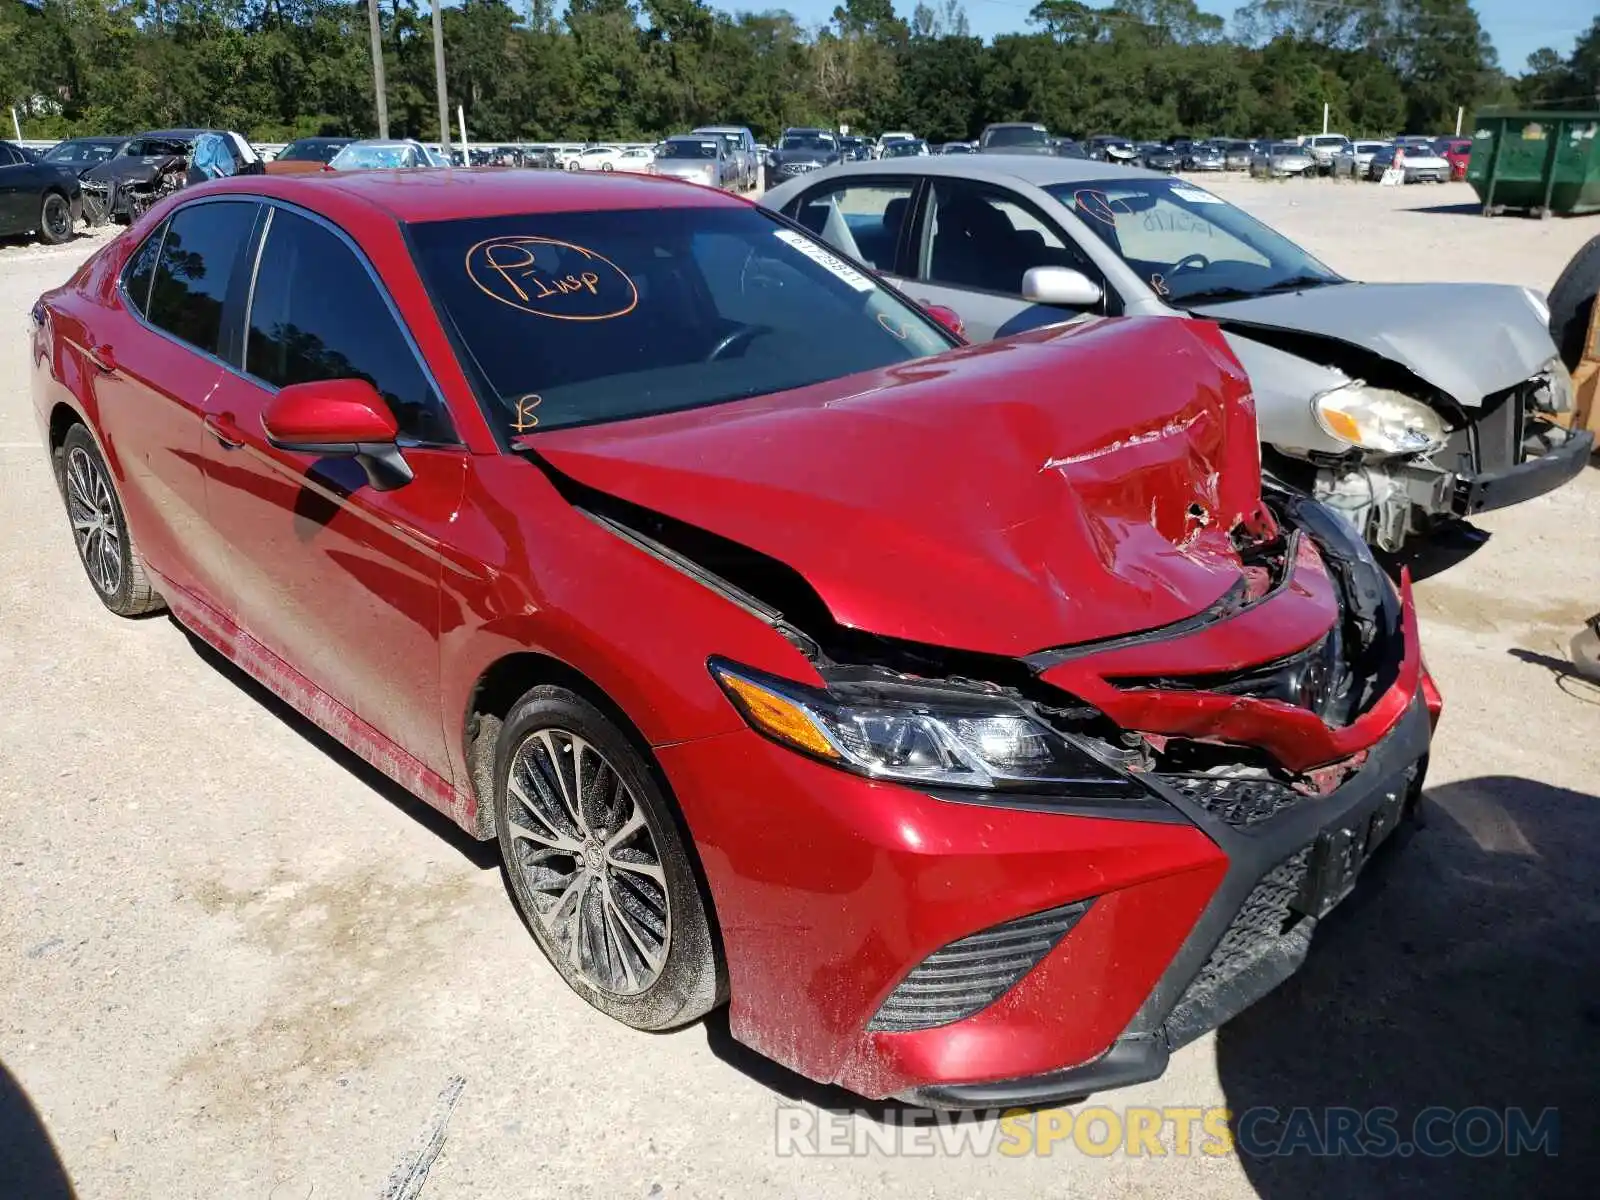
(438, 71)
(377, 69)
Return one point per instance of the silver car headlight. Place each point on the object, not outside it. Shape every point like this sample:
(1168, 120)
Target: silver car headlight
(924, 735)
(1379, 419)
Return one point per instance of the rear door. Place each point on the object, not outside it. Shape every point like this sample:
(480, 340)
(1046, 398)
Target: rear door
(158, 359)
(18, 192)
(971, 246)
(338, 580)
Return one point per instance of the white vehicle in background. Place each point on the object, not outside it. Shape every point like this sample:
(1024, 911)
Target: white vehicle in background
(600, 158)
(567, 154)
(701, 158)
(1323, 148)
(378, 154)
(894, 135)
(639, 160)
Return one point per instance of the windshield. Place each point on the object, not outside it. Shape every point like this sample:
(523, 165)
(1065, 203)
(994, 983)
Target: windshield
(904, 149)
(573, 318)
(370, 158)
(81, 152)
(807, 141)
(1186, 243)
(311, 150)
(1286, 148)
(1018, 135)
(685, 148)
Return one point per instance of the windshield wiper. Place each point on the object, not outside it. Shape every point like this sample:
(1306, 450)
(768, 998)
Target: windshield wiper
(1294, 283)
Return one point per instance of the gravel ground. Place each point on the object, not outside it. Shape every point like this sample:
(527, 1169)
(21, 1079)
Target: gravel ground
(234, 962)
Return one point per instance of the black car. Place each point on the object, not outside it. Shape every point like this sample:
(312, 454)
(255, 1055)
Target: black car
(1158, 157)
(154, 164)
(854, 149)
(801, 150)
(81, 153)
(36, 196)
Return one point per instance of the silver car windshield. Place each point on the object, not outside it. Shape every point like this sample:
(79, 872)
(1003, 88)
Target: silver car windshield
(1187, 244)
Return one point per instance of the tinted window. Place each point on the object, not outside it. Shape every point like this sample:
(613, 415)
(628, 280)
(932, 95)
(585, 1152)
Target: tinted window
(8, 156)
(141, 268)
(569, 318)
(316, 314)
(204, 246)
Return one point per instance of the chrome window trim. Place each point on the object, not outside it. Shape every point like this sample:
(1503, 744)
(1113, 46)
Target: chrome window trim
(237, 369)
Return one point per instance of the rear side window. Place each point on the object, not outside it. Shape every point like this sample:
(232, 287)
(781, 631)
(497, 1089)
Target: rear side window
(141, 269)
(316, 314)
(200, 258)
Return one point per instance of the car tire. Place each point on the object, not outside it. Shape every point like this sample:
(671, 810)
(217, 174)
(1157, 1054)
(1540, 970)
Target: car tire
(106, 547)
(1572, 301)
(55, 219)
(620, 915)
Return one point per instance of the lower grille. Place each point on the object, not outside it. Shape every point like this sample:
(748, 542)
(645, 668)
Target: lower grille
(1266, 935)
(1240, 801)
(958, 980)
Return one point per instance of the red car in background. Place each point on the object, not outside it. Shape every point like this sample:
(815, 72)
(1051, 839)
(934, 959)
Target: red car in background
(1458, 153)
(969, 718)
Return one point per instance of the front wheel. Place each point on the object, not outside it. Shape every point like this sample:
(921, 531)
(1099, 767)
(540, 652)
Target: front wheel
(597, 864)
(55, 219)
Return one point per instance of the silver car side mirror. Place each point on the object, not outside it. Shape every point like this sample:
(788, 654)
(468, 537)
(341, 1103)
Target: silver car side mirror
(1060, 285)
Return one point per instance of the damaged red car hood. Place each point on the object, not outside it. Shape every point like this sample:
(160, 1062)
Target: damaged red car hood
(1060, 487)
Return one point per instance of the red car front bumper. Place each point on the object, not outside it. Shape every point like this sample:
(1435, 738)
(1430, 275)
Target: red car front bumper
(835, 893)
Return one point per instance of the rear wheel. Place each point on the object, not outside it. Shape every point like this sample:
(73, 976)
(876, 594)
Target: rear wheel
(100, 529)
(55, 219)
(597, 865)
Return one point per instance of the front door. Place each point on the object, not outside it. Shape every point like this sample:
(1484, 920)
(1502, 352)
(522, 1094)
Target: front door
(972, 246)
(337, 579)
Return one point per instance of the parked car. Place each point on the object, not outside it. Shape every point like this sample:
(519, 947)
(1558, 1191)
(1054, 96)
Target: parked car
(1355, 160)
(1458, 153)
(1237, 156)
(1158, 157)
(741, 152)
(799, 151)
(38, 197)
(1404, 406)
(1066, 147)
(382, 154)
(957, 148)
(854, 149)
(1109, 147)
(152, 165)
(1324, 148)
(81, 153)
(604, 158)
(976, 724)
(1016, 137)
(1420, 164)
(893, 135)
(640, 160)
(701, 159)
(306, 155)
(906, 148)
(1283, 160)
(1205, 156)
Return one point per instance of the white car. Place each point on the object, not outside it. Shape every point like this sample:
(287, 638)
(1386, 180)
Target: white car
(1422, 164)
(896, 135)
(640, 160)
(600, 158)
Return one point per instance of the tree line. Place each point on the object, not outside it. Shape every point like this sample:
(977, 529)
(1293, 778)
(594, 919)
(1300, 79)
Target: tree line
(625, 69)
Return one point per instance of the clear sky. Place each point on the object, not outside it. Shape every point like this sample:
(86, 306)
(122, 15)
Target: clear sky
(1518, 27)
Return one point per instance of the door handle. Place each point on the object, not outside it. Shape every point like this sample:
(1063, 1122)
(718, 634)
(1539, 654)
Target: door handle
(103, 357)
(223, 427)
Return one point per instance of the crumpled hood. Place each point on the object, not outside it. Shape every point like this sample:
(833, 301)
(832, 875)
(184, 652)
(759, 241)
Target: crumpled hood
(1058, 487)
(1469, 340)
(133, 170)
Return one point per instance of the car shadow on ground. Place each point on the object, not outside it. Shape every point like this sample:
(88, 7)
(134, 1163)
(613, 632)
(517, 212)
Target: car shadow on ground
(1567, 677)
(1462, 975)
(29, 1164)
(483, 855)
(1472, 208)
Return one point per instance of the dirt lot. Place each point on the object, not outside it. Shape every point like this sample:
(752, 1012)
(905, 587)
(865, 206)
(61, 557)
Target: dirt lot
(235, 963)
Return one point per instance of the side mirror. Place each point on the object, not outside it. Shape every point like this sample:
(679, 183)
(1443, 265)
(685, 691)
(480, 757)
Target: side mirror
(948, 317)
(1060, 285)
(339, 418)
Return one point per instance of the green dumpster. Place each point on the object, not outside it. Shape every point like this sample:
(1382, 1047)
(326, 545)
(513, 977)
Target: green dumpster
(1541, 162)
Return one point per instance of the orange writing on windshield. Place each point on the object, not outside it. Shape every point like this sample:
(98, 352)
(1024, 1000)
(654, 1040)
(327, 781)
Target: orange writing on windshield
(550, 278)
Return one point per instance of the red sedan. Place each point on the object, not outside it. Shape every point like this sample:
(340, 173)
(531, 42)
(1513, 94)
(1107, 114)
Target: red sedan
(968, 718)
(1458, 153)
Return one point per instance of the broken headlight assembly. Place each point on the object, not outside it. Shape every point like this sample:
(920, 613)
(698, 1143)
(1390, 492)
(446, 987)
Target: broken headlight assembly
(1379, 419)
(923, 734)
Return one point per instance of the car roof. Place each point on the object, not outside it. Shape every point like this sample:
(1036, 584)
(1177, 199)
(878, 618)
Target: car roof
(175, 133)
(462, 193)
(1041, 170)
